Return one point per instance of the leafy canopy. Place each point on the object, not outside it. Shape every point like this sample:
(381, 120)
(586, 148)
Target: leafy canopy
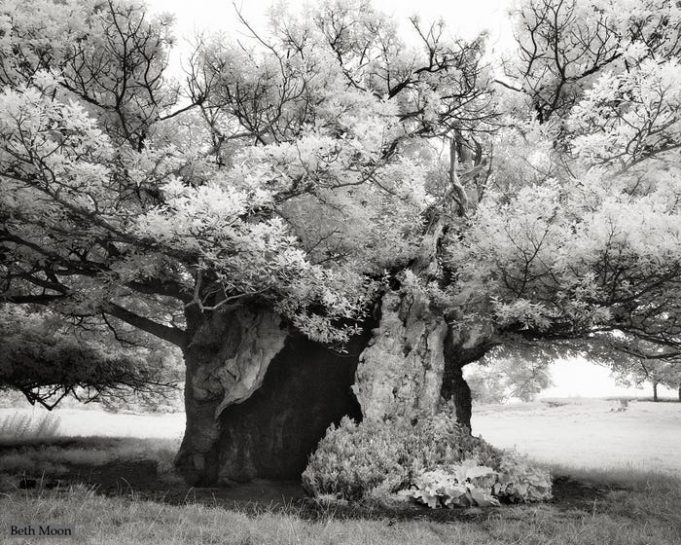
(291, 172)
(313, 166)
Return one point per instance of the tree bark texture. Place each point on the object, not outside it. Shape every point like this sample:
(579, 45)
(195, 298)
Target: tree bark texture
(461, 347)
(415, 361)
(258, 398)
(401, 370)
(227, 356)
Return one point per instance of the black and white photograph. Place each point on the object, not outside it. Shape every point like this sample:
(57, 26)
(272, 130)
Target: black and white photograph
(340, 272)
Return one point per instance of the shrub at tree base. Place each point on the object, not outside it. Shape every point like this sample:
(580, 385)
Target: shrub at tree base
(430, 459)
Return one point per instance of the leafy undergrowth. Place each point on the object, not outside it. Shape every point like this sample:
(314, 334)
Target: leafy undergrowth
(629, 509)
(430, 459)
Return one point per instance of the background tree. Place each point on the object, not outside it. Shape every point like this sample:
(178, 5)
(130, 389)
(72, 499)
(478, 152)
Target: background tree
(499, 379)
(638, 371)
(47, 357)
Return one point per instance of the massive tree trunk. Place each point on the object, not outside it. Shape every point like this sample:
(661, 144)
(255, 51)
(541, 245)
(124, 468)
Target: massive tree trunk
(655, 398)
(415, 361)
(679, 392)
(226, 356)
(258, 398)
(400, 372)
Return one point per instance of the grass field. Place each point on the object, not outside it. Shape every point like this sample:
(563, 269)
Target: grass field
(588, 433)
(624, 486)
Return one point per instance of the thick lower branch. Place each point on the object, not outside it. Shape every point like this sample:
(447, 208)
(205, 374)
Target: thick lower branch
(173, 335)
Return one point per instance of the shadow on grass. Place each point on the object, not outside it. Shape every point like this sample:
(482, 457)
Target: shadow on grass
(142, 470)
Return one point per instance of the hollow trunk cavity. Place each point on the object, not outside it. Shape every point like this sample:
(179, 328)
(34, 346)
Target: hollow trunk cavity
(258, 398)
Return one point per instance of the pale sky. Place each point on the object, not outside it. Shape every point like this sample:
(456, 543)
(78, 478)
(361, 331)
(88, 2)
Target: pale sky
(580, 378)
(465, 18)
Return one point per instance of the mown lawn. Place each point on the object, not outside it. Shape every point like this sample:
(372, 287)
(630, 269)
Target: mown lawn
(589, 433)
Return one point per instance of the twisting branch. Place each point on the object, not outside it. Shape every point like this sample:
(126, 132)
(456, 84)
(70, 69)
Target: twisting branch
(457, 191)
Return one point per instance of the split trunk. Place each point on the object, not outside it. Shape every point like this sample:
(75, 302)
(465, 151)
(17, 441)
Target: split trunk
(259, 398)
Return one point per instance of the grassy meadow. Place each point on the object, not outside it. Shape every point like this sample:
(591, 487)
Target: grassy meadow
(618, 482)
(588, 433)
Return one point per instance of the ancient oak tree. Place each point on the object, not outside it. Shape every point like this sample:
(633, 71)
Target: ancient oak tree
(331, 218)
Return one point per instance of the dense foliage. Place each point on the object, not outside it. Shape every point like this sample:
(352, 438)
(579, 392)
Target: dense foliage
(296, 171)
(432, 459)
(579, 230)
(277, 182)
(47, 358)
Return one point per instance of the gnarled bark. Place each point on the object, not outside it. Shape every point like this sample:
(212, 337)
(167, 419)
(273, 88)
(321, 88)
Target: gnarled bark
(258, 398)
(461, 347)
(401, 369)
(415, 361)
(226, 357)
